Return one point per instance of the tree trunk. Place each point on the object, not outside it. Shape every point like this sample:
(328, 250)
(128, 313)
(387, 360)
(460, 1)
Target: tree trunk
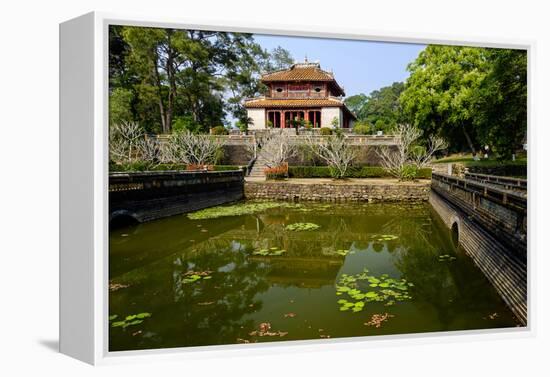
(469, 141)
(171, 77)
(161, 102)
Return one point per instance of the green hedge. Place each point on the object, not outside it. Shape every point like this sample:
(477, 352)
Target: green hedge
(353, 172)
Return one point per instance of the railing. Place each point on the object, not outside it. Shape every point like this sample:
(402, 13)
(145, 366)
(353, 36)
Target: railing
(501, 212)
(250, 164)
(508, 183)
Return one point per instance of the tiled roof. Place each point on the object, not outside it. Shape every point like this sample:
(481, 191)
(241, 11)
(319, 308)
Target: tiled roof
(299, 72)
(293, 102)
(269, 103)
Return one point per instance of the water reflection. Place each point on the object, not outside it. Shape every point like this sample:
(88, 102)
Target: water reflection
(293, 291)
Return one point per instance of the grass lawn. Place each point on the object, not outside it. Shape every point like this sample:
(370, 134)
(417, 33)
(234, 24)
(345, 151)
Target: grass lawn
(468, 161)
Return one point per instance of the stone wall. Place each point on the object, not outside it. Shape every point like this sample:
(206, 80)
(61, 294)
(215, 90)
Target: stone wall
(365, 155)
(235, 154)
(236, 149)
(149, 196)
(503, 268)
(350, 191)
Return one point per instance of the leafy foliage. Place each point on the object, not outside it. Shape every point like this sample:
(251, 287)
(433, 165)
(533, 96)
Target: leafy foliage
(362, 128)
(352, 172)
(470, 96)
(380, 110)
(219, 130)
(501, 102)
(173, 73)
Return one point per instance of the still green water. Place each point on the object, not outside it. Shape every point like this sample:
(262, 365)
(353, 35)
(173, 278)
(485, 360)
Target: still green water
(241, 297)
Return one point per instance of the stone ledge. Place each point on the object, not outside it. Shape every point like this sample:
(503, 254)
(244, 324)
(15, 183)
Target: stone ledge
(353, 190)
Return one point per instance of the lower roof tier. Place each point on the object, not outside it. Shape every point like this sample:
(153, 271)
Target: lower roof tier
(270, 103)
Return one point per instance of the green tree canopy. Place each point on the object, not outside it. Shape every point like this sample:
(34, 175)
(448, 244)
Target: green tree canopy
(439, 94)
(380, 109)
(501, 103)
(176, 73)
(280, 58)
(471, 96)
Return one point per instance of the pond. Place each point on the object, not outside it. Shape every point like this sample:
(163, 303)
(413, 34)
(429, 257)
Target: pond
(281, 271)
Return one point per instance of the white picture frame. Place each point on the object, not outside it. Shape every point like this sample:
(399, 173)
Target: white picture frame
(84, 189)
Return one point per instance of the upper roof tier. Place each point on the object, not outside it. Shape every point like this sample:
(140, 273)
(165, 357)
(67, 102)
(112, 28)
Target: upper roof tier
(304, 72)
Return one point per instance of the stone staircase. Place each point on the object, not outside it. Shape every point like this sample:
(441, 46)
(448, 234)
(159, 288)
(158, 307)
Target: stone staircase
(257, 170)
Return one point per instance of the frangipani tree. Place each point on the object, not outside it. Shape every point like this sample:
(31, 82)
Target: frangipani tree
(125, 140)
(335, 151)
(403, 159)
(192, 149)
(277, 147)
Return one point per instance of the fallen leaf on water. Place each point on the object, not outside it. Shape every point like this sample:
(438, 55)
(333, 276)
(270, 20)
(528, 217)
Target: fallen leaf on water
(492, 316)
(264, 331)
(377, 319)
(116, 286)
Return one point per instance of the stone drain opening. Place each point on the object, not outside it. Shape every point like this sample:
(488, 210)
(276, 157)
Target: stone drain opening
(454, 234)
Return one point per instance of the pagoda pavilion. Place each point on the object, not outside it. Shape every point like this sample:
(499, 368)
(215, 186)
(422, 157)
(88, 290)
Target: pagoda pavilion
(302, 94)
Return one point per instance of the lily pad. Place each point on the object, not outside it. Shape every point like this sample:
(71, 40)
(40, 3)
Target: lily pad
(301, 227)
(365, 288)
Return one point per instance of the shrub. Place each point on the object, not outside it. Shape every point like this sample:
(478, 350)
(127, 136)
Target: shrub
(219, 130)
(325, 131)
(193, 167)
(185, 123)
(278, 172)
(309, 172)
(408, 172)
(361, 129)
(352, 172)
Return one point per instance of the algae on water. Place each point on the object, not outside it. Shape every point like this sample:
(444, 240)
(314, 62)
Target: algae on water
(247, 208)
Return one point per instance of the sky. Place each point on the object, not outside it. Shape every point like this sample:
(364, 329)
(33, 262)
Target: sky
(358, 66)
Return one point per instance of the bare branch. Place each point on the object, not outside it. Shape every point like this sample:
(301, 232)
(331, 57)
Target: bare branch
(192, 149)
(124, 139)
(335, 151)
(407, 151)
(277, 147)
